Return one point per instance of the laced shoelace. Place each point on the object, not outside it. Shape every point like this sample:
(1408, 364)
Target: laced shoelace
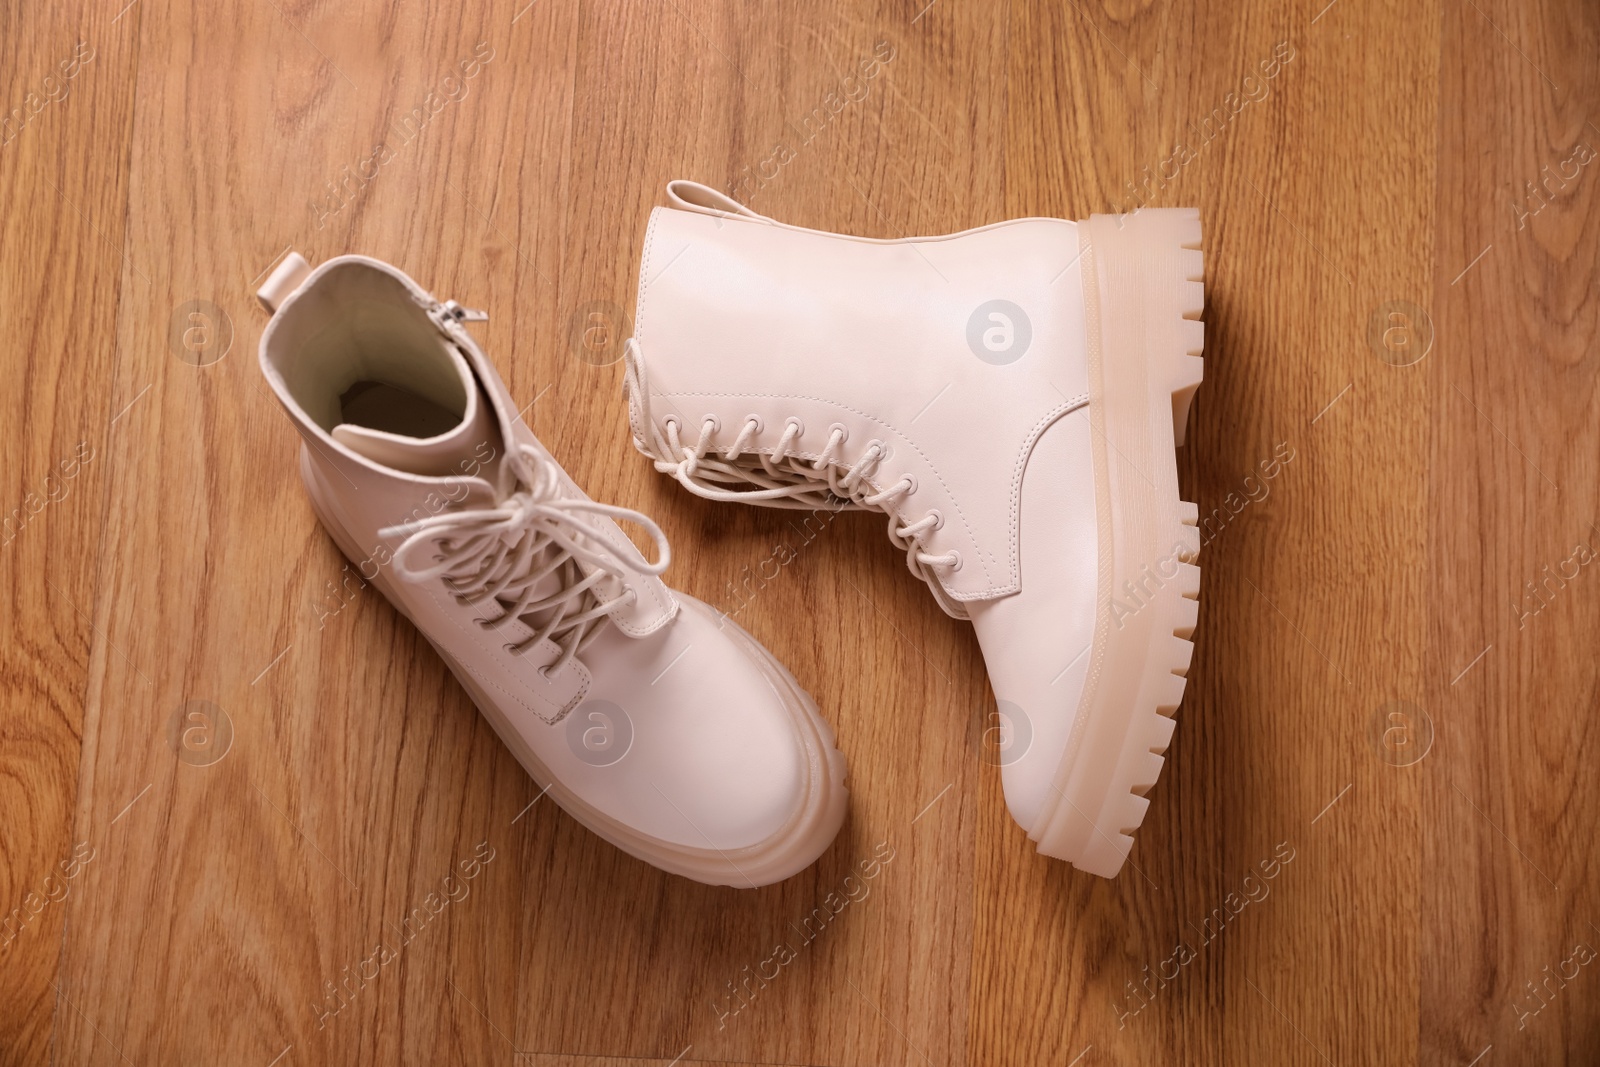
(498, 556)
(781, 479)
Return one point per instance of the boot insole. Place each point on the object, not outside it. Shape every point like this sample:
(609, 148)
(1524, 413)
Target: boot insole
(391, 409)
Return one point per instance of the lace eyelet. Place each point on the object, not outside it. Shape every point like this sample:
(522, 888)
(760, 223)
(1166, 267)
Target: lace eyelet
(712, 421)
(957, 564)
(671, 422)
(799, 427)
(511, 647)
(911, 485)
(755, 420)
(938, 518)
(841, 429)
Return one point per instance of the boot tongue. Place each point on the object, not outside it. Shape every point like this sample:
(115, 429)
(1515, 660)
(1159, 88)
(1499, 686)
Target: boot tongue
(415, 434)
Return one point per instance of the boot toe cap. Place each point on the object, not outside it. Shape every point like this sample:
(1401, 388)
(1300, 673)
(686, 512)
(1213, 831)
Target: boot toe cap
(696, 739)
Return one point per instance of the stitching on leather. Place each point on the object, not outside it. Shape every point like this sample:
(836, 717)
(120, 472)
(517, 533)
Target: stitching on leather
(972, 536)
(1061, 410)
(548, 720)
(669, 608)
(644, 275)
(883, 241)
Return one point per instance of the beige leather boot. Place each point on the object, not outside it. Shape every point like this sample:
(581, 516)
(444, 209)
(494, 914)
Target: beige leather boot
(1011, 397)
(663, 728)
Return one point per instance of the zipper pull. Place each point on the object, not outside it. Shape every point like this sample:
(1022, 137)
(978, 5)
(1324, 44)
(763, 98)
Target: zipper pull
(451, 312)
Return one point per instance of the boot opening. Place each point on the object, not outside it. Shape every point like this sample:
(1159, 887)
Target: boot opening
(357, 348)
(392, 409)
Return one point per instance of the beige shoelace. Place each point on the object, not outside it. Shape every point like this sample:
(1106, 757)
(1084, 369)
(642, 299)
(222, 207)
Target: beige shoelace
(500, 555)
(779, 478)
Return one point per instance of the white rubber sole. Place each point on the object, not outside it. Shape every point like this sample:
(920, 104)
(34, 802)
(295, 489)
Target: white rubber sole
(798, 844)
(1143, 297)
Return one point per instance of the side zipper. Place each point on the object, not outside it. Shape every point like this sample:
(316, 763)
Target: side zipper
(449, 316)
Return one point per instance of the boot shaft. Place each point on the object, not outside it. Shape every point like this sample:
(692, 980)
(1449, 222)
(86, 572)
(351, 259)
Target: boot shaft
(923, 346)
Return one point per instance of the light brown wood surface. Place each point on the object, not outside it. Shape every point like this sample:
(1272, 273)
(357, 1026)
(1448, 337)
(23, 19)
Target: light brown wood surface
(194, 910)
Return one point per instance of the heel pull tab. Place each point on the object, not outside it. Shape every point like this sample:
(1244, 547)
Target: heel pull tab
(692, 196)
(283, 281)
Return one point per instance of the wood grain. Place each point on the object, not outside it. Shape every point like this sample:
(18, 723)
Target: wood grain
(269, 888)
(63, 148)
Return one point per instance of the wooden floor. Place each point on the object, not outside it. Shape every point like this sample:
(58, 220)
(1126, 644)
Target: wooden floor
(234, 783)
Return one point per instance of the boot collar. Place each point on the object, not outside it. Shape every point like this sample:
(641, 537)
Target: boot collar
(478, 481)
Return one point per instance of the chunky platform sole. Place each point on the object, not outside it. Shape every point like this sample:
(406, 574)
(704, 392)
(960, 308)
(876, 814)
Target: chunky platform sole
(794, 848)
(1143, 297)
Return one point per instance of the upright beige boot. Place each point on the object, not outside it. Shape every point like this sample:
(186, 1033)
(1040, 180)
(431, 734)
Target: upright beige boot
(662, 727)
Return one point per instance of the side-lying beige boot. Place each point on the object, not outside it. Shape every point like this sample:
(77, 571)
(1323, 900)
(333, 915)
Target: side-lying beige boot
(663, 728)
(1011, 397)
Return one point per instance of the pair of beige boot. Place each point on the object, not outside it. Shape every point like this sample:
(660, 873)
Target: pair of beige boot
(1009, 397)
